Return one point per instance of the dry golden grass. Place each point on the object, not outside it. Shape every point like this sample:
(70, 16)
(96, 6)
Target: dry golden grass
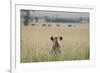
(36, 44)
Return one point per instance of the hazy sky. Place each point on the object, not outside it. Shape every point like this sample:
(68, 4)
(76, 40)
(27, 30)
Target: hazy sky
(58, 14)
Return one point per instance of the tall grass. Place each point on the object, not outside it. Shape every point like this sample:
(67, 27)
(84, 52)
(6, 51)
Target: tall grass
(36, 44)
(43, 55)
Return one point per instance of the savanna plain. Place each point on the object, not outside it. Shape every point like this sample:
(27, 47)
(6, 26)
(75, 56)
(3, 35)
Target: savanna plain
(36, 44)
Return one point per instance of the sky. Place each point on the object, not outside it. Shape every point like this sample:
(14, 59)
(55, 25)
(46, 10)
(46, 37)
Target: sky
(59, 14)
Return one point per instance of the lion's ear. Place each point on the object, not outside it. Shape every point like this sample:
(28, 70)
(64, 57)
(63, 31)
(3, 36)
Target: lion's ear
(61, 38)
(52, 38)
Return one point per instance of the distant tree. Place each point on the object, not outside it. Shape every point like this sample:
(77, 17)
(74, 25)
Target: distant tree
(26, 17)
(88, 19)
(46, 18)
(81, 19)
(36, 19)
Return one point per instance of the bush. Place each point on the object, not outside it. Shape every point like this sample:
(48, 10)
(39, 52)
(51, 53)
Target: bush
(49, 25)
(69, 25)
(33, 24)
(44, 25)
(58, 25)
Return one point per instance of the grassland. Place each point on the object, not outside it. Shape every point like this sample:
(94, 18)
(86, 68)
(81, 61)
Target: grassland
(36, 44)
